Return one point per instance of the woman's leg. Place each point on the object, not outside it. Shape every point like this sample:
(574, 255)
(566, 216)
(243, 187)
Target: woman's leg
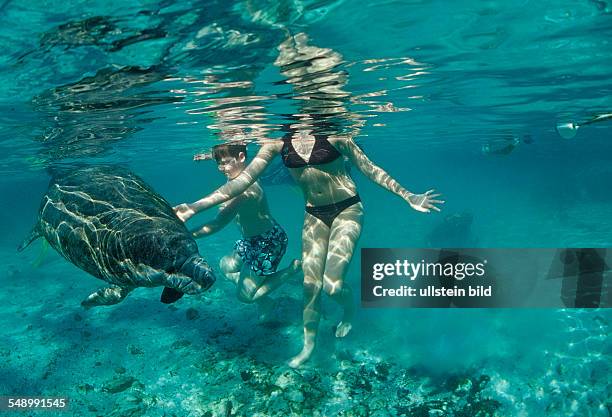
(315, 237)
(345, 233)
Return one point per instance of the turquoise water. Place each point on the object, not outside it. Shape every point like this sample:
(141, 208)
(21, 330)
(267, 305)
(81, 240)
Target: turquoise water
(425, 87)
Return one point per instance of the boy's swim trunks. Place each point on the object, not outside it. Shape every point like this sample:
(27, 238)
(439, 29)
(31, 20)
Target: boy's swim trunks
(263, 253)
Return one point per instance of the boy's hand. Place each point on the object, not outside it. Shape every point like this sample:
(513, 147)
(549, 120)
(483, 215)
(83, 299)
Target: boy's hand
(202, 157)
(424, 202)
(183, 212)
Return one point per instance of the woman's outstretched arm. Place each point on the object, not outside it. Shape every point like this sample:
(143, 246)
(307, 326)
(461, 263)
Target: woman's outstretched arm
(234, 187)
(421, 202)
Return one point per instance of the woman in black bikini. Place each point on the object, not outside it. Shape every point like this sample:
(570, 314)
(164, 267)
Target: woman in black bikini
(334, 213)
(333, 219)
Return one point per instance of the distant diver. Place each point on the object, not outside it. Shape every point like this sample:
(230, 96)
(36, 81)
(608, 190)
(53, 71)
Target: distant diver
(505, 145)
(111, 224)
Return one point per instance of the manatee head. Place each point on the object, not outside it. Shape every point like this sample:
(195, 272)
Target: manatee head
(189, 272)
(201, 274)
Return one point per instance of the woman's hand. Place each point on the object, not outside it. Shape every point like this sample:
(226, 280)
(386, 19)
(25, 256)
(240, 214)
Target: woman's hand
(424, 202)
(184, 211)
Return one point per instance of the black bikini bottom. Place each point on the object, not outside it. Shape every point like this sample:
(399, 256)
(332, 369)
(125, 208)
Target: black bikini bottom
(329, 212)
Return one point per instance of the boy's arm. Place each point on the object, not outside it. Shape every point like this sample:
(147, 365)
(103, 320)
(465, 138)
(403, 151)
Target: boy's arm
(420, 202)
(234, 187)
(226, 213)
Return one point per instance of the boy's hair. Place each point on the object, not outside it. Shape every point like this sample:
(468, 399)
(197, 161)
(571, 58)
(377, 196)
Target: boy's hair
(228, 149)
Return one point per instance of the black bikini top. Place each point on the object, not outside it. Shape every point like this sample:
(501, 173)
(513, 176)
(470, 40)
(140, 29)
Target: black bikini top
(323, 152)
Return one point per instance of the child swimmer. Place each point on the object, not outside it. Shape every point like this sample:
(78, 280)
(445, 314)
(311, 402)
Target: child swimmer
(253, 263)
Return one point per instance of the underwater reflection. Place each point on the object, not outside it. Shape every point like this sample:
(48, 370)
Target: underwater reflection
(86, 118)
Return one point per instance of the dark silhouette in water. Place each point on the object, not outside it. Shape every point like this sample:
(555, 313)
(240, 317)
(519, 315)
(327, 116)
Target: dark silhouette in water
(583, 277)
(90, 31)
(505, 145)
(454, 231)
(110, 223)
(144, 35)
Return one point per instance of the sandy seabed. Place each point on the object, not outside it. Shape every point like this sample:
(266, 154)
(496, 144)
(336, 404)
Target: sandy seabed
(210, 356)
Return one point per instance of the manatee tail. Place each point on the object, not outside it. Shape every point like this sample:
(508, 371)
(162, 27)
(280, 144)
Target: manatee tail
(32, 236)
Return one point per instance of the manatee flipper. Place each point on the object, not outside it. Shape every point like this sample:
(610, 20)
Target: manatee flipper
(170, 295)
(106, 296)
(32, 236)
(149, 276)
(183, 284)
(177, 284)
(146, 276)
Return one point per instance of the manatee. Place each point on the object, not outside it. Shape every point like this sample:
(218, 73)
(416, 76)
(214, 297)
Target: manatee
(111, 224)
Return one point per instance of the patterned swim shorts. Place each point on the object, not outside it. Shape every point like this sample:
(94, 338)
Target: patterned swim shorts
(264, 252)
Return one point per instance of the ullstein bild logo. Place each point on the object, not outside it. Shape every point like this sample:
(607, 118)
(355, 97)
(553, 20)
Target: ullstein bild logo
(529, 278)
(422, 269)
